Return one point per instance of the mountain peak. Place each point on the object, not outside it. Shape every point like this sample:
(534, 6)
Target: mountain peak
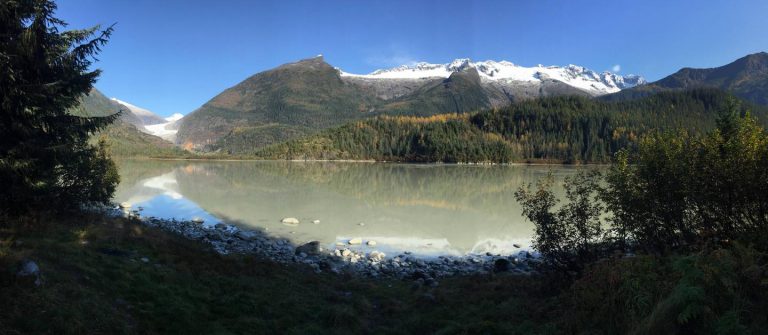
(505, 71)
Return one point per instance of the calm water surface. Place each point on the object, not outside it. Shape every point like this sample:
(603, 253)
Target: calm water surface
(427, 209)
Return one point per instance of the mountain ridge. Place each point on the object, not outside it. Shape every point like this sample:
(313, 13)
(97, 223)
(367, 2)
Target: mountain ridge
(303, 97)
(746, 77)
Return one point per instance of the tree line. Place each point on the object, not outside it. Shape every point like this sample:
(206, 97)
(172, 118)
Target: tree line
(565, 129)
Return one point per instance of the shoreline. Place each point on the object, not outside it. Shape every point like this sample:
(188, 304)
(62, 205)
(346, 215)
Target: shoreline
(230, 239)
(359, 161)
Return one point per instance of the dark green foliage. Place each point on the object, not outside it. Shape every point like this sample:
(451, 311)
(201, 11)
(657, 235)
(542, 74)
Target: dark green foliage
(676, 192)
(556, 129)
(566, 237)
(714, 291)
(692, 207)
(442, 138)
(679, 189)
(45, 158)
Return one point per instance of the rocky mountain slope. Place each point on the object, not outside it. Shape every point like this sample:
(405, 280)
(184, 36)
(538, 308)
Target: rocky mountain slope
(746, 77)
(307, 96)
(124, 136)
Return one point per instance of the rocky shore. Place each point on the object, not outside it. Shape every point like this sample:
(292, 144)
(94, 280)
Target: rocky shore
(227, 239)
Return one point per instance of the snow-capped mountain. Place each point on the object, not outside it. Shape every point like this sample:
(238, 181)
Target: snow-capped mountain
(146, 116)
(151, 123)
(507, 72)
(174, 117)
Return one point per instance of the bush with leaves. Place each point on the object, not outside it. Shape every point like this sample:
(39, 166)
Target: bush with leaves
(676, 192)
(45, 158)
(681, 191)
(567, 237)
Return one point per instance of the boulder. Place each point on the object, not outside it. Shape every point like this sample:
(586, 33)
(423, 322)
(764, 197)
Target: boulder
(316, 221)
(125, 205)
(197, 220)
(312, 248)
(220, 226)
(372, 243)
(290, 221)
(246, 235)
(356, 241)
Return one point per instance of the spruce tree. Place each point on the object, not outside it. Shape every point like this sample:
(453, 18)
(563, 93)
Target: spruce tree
(45, 158)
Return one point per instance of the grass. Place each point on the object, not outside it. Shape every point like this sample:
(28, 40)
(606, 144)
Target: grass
(96, 282)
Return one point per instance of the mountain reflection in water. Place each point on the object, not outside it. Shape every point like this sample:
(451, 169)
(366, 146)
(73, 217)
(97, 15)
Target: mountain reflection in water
(426, 209)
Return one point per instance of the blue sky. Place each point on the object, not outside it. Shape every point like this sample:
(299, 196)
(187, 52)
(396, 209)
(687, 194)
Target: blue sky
(172, 56)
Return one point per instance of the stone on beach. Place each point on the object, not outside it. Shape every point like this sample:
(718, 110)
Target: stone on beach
(372, 243)
(356, 241)
(125, 205)
(197, 219)
(376, 256)
(316, 221)
(312, 248)
(290, 221)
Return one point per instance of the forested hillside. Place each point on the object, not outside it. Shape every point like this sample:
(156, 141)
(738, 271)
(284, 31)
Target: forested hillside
(122, 136)
(555, 129)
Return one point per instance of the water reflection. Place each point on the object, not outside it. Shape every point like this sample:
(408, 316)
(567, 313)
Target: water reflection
(426, 209)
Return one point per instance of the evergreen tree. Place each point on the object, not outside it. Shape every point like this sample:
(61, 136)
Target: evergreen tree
(45, 158)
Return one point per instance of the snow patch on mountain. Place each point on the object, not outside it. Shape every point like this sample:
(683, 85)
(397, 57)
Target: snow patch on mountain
(174, 117)
(146, 116)
(153, 124)
(504, 71)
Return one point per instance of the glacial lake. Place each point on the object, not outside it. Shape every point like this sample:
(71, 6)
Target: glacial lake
(428, 209)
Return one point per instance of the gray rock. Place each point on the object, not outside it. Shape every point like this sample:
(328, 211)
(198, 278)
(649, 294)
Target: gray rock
(312, 248)
(28, 268)
(246, 235)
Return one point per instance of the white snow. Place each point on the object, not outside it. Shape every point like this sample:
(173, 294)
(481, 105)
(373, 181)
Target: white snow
(573, 75)
(135, 109)
(163, 130)
(174, 117)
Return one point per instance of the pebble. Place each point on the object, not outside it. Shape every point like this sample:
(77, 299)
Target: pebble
(341, 260)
